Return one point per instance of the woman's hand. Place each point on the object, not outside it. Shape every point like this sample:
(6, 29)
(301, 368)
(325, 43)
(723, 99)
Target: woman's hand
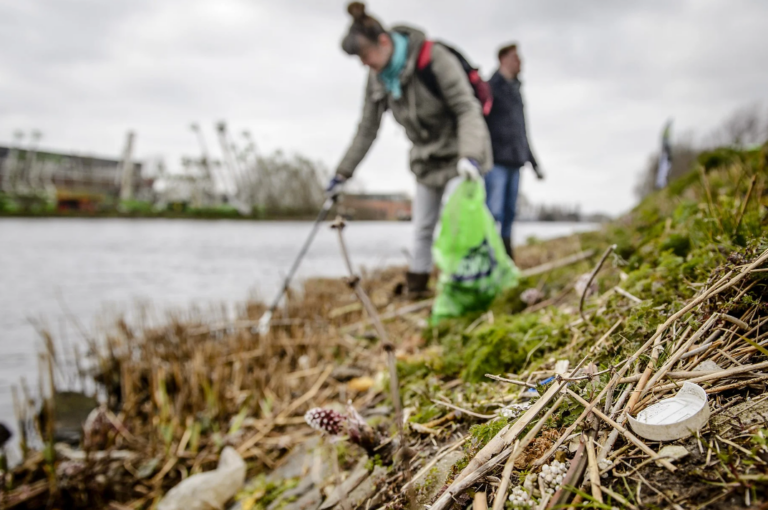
(335, 186)
(469, 169)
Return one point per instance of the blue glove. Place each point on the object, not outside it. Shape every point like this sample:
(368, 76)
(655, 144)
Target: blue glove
(335, 186)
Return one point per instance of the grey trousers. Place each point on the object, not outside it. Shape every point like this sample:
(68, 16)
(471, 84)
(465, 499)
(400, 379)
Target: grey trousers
(426, 212)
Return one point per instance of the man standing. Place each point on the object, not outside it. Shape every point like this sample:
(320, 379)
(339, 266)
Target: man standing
(506, 123)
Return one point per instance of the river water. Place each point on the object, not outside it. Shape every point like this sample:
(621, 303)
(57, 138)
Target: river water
(60, 271)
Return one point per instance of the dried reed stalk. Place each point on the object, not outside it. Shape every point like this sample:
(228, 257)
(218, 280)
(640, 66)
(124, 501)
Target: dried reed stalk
(631, 437)
(459, 486)
(594, 470)
(592, 277)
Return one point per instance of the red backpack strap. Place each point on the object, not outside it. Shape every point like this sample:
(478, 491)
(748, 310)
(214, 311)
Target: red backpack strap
(425, 55)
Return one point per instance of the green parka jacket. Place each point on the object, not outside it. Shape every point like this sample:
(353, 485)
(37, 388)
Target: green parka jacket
(442, 129)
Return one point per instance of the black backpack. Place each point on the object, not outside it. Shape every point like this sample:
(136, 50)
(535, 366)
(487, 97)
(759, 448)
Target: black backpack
(427, 76)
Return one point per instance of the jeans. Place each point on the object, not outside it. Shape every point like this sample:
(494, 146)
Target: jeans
(426, 213)
(501, 187)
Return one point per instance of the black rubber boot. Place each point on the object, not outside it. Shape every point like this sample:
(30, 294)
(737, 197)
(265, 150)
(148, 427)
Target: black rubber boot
(417, 284)
(508, 247)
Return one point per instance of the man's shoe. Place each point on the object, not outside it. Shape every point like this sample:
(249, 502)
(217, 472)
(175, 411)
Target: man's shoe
(508, 247)
(416, 284)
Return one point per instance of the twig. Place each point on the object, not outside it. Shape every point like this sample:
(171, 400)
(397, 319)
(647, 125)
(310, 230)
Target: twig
(741, 449)
(635, 396)
(501, 493)
(541, 460)
(605, 336)
(24, 493)
(674, 505)
(680, 374)
(550, 302)
(510, 381)
(549, 266)
(507, 435)
(307, 396)
(484, 317)
(728, 357)
(618, 497)
(631, 437)
(682, 350)
(434, 461)
(677, 341)
(717, 375)
(572, 477)
(480, 501)
(439, 421)
(622, 399)
(594, 470)
(465, 411)
(458, 486)
(405, 310)
(739, 384)
(747, 288)
(744, 205)
(610, 440)
(627, 295)
(703, 348)
(592, 277)
(734, 320)
(258, 436)
(710, 202)
(589, 377)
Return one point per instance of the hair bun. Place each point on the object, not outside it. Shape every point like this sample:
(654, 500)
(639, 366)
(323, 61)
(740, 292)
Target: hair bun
(356, 10)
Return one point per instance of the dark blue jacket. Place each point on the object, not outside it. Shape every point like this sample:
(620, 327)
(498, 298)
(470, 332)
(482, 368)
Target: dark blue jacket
(506, 124)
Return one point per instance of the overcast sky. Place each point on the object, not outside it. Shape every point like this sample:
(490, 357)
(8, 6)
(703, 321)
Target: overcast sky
(600, 78)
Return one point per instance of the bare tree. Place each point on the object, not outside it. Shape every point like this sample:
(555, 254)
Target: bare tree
(744, 127)
(283, 185)
(684, 153)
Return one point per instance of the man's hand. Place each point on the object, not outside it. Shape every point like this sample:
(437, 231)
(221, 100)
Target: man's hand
(469, 169)
(335, 186)
(539, 173)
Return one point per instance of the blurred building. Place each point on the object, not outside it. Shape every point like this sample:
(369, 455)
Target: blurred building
(75, 182)
(382, 207)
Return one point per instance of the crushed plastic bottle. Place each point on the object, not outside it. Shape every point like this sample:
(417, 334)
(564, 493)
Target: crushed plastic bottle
(213, 489)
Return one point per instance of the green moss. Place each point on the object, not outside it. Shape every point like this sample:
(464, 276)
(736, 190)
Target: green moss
(412, 369)
(342, 453)
(426, 414)
(667, 248)
(371, 463)
(460, 465)
(260, 493)
(508, 344)
(678, 244)
(484, 432)
(431, 480)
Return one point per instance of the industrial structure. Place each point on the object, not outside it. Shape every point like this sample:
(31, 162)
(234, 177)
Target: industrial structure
(382, 207)
(37, 179)
(241, 181)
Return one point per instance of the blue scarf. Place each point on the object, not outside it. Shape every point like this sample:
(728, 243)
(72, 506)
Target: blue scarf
(390, 75)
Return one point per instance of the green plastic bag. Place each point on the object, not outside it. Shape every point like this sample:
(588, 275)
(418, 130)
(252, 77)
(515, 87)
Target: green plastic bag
(469, 251)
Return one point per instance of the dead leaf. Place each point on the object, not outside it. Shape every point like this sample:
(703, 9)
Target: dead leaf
(360, 384)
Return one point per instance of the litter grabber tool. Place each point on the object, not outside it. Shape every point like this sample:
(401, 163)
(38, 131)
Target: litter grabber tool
(266, 319)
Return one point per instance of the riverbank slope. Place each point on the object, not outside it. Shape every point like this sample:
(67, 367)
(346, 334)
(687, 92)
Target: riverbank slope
(687, 262)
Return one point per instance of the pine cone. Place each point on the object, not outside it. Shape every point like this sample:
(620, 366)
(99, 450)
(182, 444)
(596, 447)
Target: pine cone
(325, 420)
